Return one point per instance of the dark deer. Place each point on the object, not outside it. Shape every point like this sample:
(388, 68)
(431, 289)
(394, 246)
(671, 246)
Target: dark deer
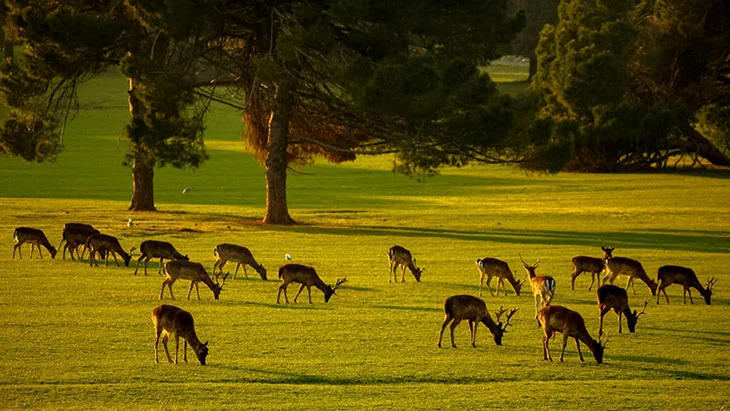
(474, 310)
(593, 265)
(188, 270)
(556, 318)
(104, 243)
(239, 255)
(491, 267)
(611, 297)
(674, 274)
(543, 286)
(307, 277)
(157, 249)
(616, 266)
(399, 256)
(169, 320)
(74, 237)
(35, 237)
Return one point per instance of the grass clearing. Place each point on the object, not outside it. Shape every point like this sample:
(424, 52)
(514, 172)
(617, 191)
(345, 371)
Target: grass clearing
(76, 337)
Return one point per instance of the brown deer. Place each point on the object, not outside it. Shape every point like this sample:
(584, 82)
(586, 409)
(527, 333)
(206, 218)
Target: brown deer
(240, 255)
(157, 249)
(593, 265)
(674, 274)
(399, 256)
(188, 270)
(556, 318)
(100, 243)
(616, 266)
(35, 237)
(74, 237)
(474, 310)
(490, 267)
(612, 297)
(307, 277)
(543, 286)
(169, 320)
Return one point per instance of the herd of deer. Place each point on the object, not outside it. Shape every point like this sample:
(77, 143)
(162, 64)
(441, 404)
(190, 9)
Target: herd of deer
(170, 320)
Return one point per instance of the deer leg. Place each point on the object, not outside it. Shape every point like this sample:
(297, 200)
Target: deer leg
(565, 343)
(158, 331)
(165, 339)
(473, 332)
(39, 251)
(236, 272)
(170, 282)
(601, 311)
(141, 257)
(546, 346)
(390, 272)
(576, 273)
(577, 344)
(197, 290)
(619, 322)
(481, 282)
(301, 287)
(453, 325)
(177, 346)
(489, 285)
(447, 320)
(164, 283)
(537, 297)
(593, 279)
(15, 247)
(403, 274)
(282, 288)
(185, 350)
(113, 255)
(309, 293)
(689, 291)
(159, 267)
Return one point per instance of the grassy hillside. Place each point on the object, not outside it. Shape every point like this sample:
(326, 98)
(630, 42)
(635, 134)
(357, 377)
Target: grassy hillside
(77, 337)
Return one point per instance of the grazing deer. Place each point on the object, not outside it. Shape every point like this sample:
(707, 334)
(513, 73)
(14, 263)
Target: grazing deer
(611, 297)
(157, 249)
(474, 310)
(616, 266)
(168, 320)
(188, 270)
(74, 237)
(35, 237)
(100, 243)
(556, 318)
(490, 267)
(593, 265)
(240, 255)
(674, 274)
(543, 286)
(307, 277)
(399, 256)
(80, 226)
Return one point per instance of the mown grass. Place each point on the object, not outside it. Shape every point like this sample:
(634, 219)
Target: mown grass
(75, 337)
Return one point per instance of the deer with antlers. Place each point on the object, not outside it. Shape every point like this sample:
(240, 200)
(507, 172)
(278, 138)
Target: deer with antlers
(35, 237)
(675, 274)
(611, 297)
(104, 243)
(616, 266)
(195, 272)
(307, 277)
(399, 256)
(240, 255)
(543, 286)
(170, 320)
(593, 265)
(491, 267)
(556, 318)
(157, 249)
(474, 310)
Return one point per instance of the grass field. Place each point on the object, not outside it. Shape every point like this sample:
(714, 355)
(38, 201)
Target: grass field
(75, 337)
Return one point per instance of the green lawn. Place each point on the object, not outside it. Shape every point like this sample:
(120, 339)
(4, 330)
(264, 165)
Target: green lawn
(75, 337)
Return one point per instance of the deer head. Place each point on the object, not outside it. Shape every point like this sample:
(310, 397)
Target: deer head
(501, 329)
(634, 318)
(607, 252)
(530, 268)
(262, 271)
(202, 352)
(333, 290)
(219, 287)
(708, 290)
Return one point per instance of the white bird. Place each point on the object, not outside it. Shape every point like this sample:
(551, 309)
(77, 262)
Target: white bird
(130, 223)
(288, 256)
(186, 189)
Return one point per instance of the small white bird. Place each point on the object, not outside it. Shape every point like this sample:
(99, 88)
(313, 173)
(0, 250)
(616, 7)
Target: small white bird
(187, 190)
(288, 256)
(130, 223)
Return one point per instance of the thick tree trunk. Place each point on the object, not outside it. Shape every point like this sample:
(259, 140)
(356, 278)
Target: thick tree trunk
(709, 151)
(143, 193)
(277, 210)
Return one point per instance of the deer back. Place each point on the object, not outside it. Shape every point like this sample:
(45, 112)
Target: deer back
(613, 297)
(76, 235)
(79, 226)
(400, 255)
(626, 266)
(570, 323)
(675, 274)
(588, 264)
(180, 322)
(160, 249)
(108, 242)
(238, 254)
(302, 274)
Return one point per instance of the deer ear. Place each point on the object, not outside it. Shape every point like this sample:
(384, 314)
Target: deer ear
(205, 344)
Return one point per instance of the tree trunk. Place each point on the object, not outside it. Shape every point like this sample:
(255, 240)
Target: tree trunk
(532, 67)
(709, 151)
(143, 193)
(277, 210)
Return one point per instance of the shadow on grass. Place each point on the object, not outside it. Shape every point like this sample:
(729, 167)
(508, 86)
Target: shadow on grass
(406, 308)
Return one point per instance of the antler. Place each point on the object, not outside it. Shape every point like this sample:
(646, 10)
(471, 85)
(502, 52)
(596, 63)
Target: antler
(643, 309)
(605, 342)
(340, 281)
(509, 316)
(527, 265)
(224, 279)
(711, 282)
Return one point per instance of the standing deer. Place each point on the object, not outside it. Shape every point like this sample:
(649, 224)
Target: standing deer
(543, 286)
(35, 237)
(474, 310)
(157, 249)
(307, 277)
(612, 297)
(240, 255)
(168, 320)
(490, 267)
(188, 270)
(399, 256)
(100, 243)
(593, 265)
(556, 318)
(674, 274)
(75, 236)
(616, 266)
